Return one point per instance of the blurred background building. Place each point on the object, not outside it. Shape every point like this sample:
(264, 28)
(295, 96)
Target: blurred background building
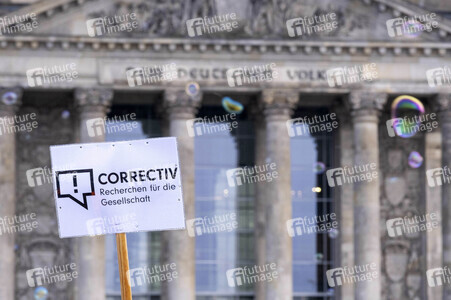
(65, 34)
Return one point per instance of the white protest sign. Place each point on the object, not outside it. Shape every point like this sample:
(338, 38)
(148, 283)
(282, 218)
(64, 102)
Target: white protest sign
(117, 187)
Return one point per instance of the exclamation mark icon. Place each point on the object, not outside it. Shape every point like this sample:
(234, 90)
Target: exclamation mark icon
(75, 184)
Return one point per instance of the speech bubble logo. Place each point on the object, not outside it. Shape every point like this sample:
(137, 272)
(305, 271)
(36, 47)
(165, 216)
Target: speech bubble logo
(76, 185)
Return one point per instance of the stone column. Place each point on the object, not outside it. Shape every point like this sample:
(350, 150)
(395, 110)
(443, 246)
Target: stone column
(443, 103)
(278, 106)
(260, 198)
(90, 251)
(433, 204)
(345, 149)
(10, 100)
(178, 247)
(366, 107)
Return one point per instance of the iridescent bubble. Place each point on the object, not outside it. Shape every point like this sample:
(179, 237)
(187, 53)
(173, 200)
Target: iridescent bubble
(232, 106)
(65, 114)
(406, 112)
(415, 159)
(316, 189)
(319, 257)
(413, 28)
(319, 167)
(192, 89)
(9, 98)
(40, 293)
(333, 233)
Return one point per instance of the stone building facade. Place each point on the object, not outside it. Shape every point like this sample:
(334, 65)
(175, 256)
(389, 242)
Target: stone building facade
(161, 37)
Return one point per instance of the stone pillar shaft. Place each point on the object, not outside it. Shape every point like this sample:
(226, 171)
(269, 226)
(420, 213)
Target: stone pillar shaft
(277, 110)
(178, 247)
(90, 251)
(260, 201)
(8, 191)
(365, 110)
(433, 204)
(346, 194)
(444, 106)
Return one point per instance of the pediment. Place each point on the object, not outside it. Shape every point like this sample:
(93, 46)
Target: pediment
(354, 20)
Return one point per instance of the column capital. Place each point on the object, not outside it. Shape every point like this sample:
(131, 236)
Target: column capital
(366, 104)
(279, 102)
(11, 99)
(93, 99)
(442, 105)
(442, 102)
(256, 112)
(343, 111)
(177, 103)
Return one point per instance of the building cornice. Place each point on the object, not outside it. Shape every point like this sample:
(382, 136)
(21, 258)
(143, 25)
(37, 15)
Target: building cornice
(327, 48)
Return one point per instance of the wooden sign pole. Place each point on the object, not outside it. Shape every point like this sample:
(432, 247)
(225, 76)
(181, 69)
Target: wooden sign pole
(122, 257)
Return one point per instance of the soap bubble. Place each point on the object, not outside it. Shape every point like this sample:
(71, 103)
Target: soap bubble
(40, 293)
(316, 189)
(406, 112)
(333, 233)
(192, 89)
(232, 106)
(65, 114)
(413, 28)
(9, 98)
(415, 159)
(319, 167)
(319, 257)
